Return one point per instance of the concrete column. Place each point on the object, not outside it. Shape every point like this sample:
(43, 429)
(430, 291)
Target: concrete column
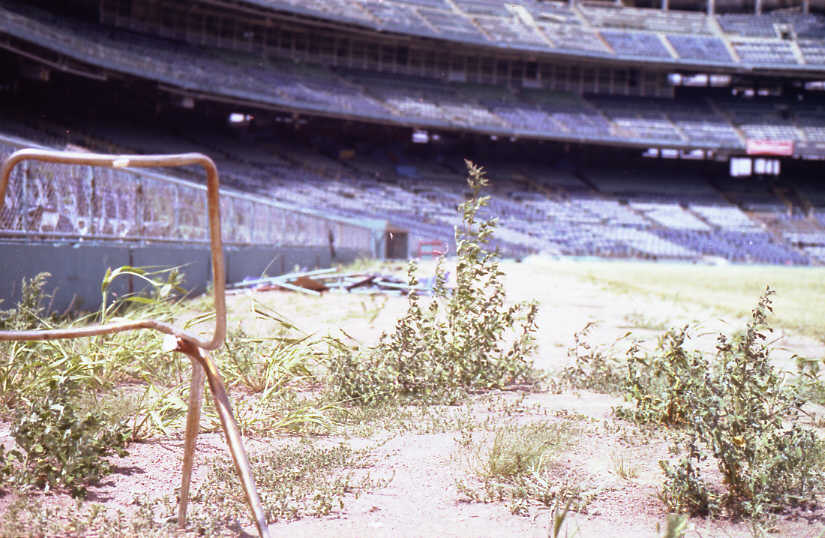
(665, 5)
(758, 7)
(711, 7)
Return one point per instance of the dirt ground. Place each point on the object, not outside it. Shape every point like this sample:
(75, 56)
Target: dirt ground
(422, 498)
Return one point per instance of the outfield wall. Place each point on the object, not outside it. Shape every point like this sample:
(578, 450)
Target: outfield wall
(77, 269)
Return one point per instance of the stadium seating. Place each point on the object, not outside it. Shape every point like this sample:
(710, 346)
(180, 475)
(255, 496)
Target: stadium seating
(656, 211)
(573, 37)
(397, 17)
(812, 51)
(761, 120)
(615, 16)
(702, 125)
(633, 213)
(533, 25)
(636, 44)
(642, 119)
(511, 31)
(701, 48)
(770, 24)
(372, 95)
(765, 52)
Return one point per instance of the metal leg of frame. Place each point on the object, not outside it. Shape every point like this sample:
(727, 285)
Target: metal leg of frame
(231, 432)
(193, 419)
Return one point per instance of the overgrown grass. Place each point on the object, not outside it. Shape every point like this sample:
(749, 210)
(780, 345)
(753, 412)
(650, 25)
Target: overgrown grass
(624, 467)
(72, 402)
(303, 479)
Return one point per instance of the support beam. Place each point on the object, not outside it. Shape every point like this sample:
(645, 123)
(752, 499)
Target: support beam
(757, 7)
(711, 7)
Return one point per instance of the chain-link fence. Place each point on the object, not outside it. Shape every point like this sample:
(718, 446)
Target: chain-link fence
(57, 201)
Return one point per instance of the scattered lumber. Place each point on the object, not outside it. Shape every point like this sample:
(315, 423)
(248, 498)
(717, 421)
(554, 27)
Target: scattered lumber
(330, 280)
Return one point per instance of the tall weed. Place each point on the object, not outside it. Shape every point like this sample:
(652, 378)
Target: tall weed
(461, 340)
(736, 410)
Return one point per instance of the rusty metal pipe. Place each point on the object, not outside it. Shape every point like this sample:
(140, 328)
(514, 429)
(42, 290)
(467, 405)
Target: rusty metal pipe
(137, 161)
(193, 420)
(231, 432)
(187, 343)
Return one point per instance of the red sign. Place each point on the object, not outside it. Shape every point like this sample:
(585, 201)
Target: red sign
(782, 148)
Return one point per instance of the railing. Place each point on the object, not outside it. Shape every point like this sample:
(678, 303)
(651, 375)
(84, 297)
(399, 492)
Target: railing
(58, 201)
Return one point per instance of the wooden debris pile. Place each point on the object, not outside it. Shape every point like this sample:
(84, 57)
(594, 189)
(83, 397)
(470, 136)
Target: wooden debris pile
(331, 280)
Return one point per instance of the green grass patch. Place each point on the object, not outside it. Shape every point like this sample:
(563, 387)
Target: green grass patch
(727, 289)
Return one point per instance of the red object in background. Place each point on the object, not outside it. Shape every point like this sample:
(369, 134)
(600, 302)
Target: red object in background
(433, 248)
(782, 148)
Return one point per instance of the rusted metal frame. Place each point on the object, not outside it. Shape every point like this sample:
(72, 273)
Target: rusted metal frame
(185, 342)
(122, 161)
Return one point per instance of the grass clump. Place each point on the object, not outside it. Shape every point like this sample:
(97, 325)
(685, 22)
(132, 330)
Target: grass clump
(49, 390)
(736, 410)
(515, 467)
(268, 375)
(594, 368)
(62, 445)
(462, 340)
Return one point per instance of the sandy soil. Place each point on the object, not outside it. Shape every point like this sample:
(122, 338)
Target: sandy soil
(422, 499)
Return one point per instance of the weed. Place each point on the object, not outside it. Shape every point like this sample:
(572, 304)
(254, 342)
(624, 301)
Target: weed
(637, 320)
(62, 446)
(623, 468)
(50, 388)
(558, 516)
(515, 467)
(660, 385)
(738, 411)
(810, 385)
(31, 310)
(270, 370)
(675, 526)
(465, 339)
(293, 482)
(27, 515)
(593, 368)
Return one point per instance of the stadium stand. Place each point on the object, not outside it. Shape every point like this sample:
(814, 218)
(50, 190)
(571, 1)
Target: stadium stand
(396, 98)
(615, 16)
(643, 119)
(702, 48)
(762, 120)
(487, 72)
(765, 52)
(526, 25)
(636, 44)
